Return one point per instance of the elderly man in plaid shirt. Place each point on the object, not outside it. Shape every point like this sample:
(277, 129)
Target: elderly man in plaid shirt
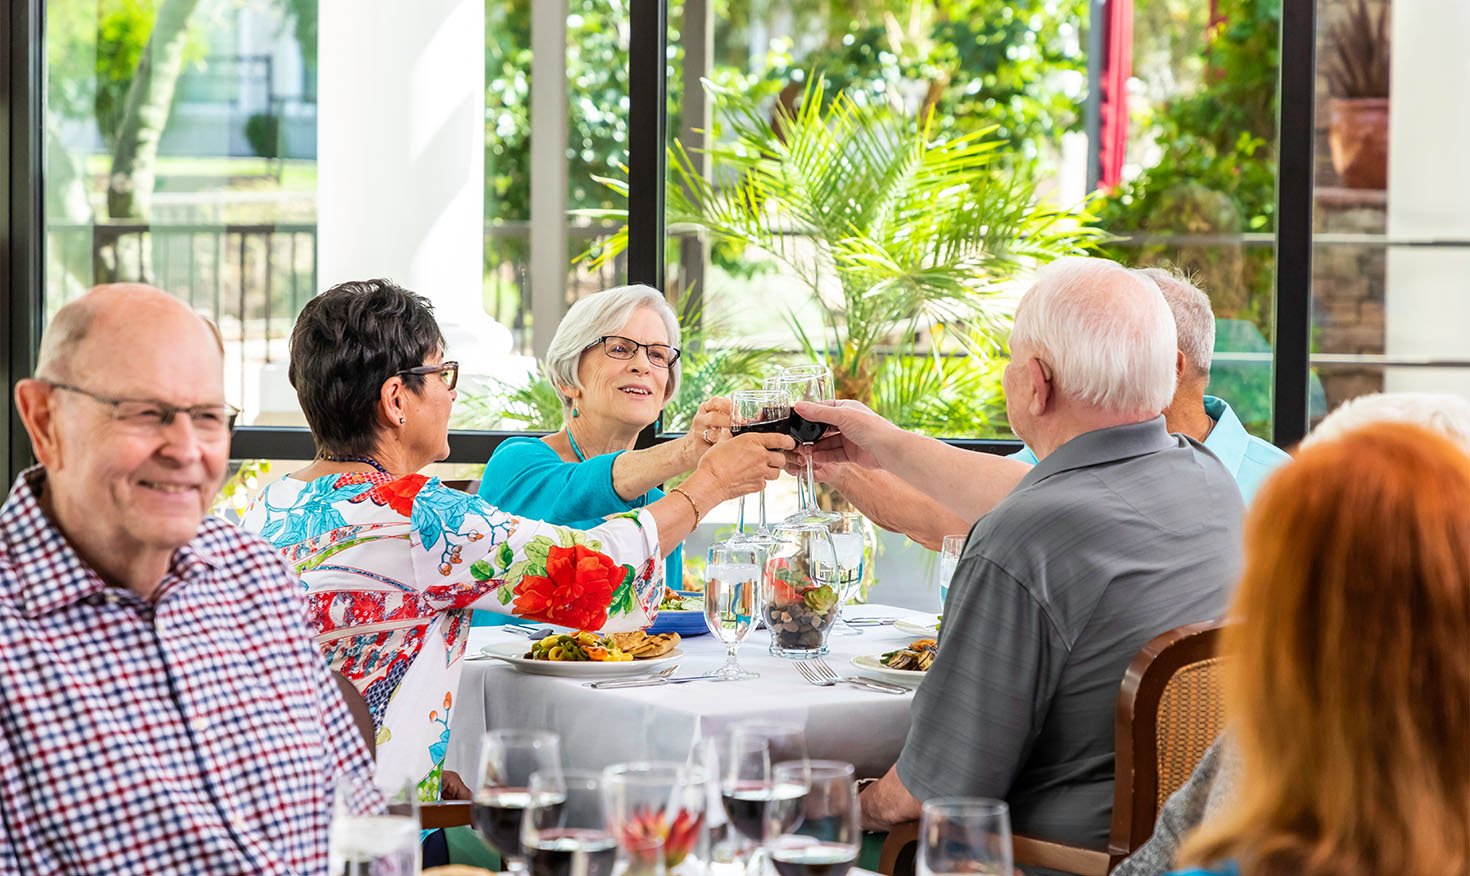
(162, 706)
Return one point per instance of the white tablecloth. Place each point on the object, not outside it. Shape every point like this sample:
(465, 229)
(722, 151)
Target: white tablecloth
(601, 727)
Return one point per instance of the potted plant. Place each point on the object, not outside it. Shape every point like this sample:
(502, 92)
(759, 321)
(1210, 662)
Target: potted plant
(905, 235)
(1357, 75)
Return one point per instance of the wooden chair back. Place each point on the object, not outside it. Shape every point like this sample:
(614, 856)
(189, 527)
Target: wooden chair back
(1169, 711)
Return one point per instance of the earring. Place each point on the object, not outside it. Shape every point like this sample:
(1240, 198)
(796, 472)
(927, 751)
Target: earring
(402, 420)
(575, 415)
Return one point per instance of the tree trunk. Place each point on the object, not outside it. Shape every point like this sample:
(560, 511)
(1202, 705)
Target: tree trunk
(150, 98)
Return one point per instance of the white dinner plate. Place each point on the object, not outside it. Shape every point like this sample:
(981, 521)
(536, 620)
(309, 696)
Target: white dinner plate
(514, 654)
(869, 663)
(914, 628)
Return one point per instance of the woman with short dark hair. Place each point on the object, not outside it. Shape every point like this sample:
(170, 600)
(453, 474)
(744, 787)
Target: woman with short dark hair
(393, 562)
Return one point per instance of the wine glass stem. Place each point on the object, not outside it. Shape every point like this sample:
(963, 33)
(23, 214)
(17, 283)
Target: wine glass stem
(763, 509)
(811, 488)
(731, 665)
(740, 526)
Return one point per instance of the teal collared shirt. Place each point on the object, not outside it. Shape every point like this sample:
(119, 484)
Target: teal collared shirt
(1248, 458)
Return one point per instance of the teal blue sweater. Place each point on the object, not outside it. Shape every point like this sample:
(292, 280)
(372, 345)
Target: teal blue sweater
(525, 477)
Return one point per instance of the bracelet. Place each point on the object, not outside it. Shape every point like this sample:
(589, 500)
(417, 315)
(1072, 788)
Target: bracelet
(690, 499)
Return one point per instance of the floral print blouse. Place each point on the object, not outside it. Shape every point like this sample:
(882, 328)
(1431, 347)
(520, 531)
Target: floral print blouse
(392, 567)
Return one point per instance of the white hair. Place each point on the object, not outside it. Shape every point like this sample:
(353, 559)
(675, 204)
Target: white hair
(1440, 412)
(597, 315)
(1193, 317)
(1106, 333)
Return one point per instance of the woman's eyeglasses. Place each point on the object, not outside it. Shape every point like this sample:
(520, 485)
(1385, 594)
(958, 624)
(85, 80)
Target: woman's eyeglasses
(618, 347)
(447, 371)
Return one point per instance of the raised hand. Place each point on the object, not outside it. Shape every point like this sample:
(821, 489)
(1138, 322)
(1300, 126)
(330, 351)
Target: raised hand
(743, 465)
(855, 434)
(710, 426)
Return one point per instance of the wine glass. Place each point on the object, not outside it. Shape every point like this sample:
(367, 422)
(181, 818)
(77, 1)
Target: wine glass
(565, 829)
(828, 834)
(657, 812)
(812, 383)
(758, 410)
(373, 831)
(761, 801)
(964, 835)
(732, 600)
(949, 558)
(800, 590)
(508, 759)
(848, 532)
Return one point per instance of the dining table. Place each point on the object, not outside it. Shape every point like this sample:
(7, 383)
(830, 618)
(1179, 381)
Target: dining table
(603, 726)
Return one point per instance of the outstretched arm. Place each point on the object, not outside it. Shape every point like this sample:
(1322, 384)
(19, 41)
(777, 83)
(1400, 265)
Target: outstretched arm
(893, 504)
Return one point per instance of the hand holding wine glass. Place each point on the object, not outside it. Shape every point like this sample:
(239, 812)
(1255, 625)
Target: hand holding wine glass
(508, 759)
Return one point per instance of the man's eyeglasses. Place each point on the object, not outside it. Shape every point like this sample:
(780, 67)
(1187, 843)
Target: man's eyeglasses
(447, 371)
(210, 421)
(618, 347)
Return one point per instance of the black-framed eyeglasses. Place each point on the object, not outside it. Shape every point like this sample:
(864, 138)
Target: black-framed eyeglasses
(447, 371)
(209, 420)
(619, 347)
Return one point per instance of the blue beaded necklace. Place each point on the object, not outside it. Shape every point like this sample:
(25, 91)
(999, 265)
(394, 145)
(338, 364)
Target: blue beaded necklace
(365, 460)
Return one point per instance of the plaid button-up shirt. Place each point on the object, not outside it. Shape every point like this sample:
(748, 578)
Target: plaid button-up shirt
(199, 734)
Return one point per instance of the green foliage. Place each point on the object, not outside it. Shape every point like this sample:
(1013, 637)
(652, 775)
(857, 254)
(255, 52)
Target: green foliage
(263, 133)
(911, 225)
(240, 488)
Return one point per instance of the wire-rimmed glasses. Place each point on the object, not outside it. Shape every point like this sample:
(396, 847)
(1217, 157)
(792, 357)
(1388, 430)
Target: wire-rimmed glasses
(209, 420)
(621, 348)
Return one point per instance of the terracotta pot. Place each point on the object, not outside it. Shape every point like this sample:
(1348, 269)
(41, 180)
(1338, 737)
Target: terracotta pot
(1358, 136)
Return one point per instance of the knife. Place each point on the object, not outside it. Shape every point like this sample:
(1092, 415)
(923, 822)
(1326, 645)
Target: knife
(646, 682)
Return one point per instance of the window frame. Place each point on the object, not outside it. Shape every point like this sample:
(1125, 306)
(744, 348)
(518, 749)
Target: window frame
(22, 223)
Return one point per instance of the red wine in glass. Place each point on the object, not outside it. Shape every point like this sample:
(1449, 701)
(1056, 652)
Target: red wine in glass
(813, 859)
(757, 808)
(803, 430)
(570, 850)
(496, 815)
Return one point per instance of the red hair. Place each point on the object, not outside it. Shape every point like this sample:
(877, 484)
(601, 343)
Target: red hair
(1349, 683)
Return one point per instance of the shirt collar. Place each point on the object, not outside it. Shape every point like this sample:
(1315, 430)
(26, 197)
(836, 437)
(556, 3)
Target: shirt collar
(1103, 446)
(1228, 439)
(49, 572)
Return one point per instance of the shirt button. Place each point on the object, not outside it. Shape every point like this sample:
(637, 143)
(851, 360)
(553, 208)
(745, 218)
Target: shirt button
(237, 823)
(199, 724)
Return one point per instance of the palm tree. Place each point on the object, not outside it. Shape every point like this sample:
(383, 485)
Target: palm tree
(904, 234)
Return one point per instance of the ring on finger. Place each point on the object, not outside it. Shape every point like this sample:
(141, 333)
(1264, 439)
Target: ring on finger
(705, 436)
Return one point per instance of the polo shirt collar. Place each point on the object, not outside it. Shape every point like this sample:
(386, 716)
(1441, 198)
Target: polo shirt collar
(1102, 446)
(49, 572)
(1228, 439)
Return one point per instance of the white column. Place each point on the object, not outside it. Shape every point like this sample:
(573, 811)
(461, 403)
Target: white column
(401, 158)
(1427, 298)
(549, 126)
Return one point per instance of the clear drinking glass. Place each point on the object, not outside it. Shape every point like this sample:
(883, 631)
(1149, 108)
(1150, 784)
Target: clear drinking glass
(758, 410)
(760, 800)
(848, 530)
(657, 812)
(812, 383)
(949, 558)
(826, 838)
(732, 591)
(508, 759)
(565, 830)
(373, 832)
(965, 835)
(801, 590)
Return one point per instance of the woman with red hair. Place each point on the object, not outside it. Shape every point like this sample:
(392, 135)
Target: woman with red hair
(1348, 687)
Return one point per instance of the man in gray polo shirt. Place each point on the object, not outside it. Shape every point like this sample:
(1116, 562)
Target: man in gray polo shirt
(1122, 531)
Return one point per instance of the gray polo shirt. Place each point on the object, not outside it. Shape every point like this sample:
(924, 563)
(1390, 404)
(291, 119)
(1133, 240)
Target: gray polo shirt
(1117, 536)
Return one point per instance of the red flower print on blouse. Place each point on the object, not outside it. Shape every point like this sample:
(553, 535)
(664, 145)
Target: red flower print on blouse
(397, 494)
(576, 590)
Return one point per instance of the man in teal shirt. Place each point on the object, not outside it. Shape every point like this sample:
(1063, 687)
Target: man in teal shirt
(1205, 418)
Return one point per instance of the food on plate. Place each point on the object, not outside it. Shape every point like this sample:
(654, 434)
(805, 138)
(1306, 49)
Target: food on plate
(577, 647)
(674, 600)
(917, 657)
(643, 646)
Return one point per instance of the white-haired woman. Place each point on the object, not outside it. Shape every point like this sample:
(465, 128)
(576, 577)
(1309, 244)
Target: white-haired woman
(615, 363)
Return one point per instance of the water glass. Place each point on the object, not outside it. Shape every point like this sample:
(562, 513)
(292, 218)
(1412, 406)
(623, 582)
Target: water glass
(965, 835)
(827, 836)
(657, 812)
(732, 600)
(565, 830)
(801, 590)
(508, 759)
(373, 832)
(949, 558)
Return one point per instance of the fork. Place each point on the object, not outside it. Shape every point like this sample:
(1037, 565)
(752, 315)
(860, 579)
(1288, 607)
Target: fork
(817, 672)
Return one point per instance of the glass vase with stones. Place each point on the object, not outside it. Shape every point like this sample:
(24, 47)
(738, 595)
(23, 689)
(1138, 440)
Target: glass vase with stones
(801, 589)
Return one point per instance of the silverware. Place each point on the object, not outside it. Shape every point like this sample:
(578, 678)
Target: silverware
(535, 633)
(658, 680)
(870, 621)
(817, 672)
